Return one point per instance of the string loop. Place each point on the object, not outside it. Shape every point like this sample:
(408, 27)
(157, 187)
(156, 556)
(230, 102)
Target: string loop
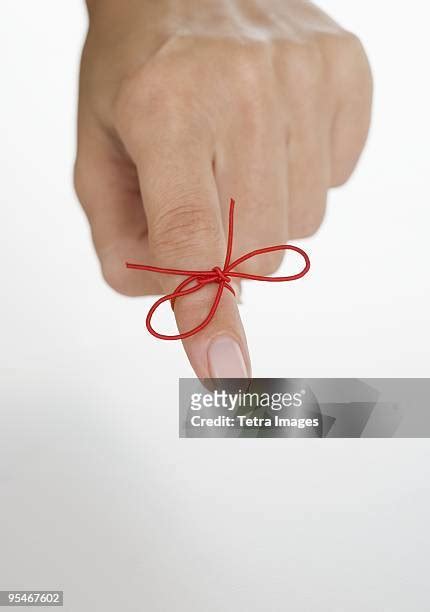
(196, 279)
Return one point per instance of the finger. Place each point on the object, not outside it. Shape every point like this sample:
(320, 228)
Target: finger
(185, 231)
(308, 177)
(354, 87)
(107, 187)
(254, 171)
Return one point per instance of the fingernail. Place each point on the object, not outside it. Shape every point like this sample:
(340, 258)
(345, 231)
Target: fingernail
(226, 359)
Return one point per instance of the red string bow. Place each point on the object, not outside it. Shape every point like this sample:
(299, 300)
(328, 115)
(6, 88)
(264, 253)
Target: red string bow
(200, 278)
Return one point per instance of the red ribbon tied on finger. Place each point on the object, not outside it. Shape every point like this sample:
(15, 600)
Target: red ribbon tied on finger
(199, 278)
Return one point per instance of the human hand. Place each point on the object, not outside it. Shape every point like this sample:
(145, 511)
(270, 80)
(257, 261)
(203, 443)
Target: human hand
(186, 104)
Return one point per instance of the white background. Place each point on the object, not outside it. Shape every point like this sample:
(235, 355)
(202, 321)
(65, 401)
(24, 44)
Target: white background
(98, 495)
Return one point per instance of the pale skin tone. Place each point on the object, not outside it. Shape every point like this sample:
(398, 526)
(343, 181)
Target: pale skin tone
(186, 103)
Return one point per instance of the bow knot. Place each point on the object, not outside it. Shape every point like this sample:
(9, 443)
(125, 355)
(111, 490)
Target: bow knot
(221, 275)
(196, 279)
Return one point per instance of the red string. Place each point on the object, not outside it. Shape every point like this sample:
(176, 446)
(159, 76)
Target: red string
(222, 277)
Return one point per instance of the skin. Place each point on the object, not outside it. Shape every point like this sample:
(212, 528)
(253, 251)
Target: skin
(186, 103)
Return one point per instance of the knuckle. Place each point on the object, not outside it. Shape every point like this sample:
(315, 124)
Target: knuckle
(351, 44)
(340, 43)
(307, 223)
(251, 77)
(265, 264)
(183, 230)
(81, 183)
(250, 61)
(160, 102)
(115, 275)
(271, 262)
(346, 59)
(342, 171)
(303, 67)
(146, 93)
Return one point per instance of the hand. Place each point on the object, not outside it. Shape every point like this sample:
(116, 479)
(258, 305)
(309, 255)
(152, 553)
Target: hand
(186, 104)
